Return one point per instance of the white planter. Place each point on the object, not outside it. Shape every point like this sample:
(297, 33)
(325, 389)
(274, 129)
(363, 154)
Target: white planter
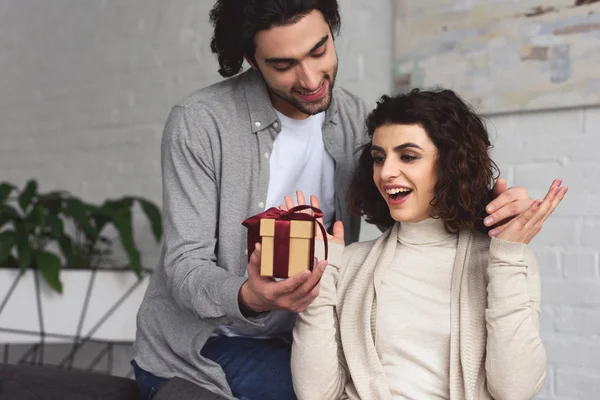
(109, 314)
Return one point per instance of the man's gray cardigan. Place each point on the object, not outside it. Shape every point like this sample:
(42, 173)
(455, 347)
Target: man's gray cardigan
(215, 163)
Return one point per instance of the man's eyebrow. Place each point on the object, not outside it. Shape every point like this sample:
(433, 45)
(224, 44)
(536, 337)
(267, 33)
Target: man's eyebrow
(319, 44)
(277, 60)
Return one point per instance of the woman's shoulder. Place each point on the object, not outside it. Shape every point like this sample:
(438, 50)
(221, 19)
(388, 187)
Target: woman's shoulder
(359, 250)
(477, 246)
(360, 247)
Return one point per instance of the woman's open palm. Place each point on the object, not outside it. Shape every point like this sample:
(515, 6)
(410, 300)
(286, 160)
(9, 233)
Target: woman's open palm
(523, 228)
(338, 227)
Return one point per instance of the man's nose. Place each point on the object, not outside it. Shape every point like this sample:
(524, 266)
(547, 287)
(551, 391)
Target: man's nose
(310, 78)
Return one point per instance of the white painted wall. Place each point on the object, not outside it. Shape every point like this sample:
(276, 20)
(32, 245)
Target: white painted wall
(86, 88)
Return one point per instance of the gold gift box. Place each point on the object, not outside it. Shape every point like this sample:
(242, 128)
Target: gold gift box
(301, 247)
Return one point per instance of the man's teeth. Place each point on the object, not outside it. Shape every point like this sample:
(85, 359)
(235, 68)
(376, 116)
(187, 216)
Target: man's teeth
(397, 190)
(313, 92)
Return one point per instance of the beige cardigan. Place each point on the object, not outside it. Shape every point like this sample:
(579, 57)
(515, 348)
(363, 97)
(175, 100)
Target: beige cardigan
(495, 347)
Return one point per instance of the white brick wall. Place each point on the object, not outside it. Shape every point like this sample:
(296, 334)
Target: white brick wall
(532, 149)
(86, 87)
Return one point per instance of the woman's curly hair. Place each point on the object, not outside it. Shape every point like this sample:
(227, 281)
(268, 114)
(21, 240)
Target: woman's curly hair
(465, 170)
(236, 22)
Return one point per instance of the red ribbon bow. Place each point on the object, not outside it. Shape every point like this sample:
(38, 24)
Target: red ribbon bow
(282, 233)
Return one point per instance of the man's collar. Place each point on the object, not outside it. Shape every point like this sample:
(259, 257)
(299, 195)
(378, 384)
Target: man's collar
(262, 113)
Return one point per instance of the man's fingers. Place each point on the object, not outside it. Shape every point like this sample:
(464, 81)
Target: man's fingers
(497, 230)
(503, 214)
(315, 292)
(500, 186)
(254, 262)
(291, 284)
(312, 281)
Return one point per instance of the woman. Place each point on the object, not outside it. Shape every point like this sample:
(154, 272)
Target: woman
(432, 309)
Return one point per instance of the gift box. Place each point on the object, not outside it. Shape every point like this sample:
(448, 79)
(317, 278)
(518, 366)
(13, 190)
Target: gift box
(287, 238)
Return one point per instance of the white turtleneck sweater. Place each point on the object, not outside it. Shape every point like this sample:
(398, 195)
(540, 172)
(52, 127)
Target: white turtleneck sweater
(413, 312)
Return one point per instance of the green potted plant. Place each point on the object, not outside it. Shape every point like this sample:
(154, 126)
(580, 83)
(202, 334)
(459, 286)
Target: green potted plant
(66, 242)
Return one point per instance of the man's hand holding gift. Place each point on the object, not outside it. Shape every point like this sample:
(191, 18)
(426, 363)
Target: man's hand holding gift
(262, 292)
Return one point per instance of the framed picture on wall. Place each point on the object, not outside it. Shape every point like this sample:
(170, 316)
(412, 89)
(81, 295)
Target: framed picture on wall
(501, 55)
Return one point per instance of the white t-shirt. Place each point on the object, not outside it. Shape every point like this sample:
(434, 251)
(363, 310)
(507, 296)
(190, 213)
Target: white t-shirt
(299, 161)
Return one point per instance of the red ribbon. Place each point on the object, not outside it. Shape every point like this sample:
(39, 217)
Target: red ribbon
(282, 234)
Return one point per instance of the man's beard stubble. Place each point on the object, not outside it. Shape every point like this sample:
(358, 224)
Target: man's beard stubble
(300, 106)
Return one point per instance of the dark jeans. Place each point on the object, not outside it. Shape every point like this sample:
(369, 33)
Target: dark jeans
(147, 383)
(256, 369)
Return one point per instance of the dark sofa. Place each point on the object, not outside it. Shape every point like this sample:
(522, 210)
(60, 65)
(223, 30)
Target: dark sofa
(25, 382)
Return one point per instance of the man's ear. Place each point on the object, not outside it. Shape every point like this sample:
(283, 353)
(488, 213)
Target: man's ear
(253, 65)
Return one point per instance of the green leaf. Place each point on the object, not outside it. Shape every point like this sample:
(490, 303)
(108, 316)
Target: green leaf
(9, 211)
(53, 201)
(28, 194)
(118, 205)
(56, 225)
(81, 214)
(24, 250)
(101, 217)
(49, 266)
(8, 239)
(76, 209)
(36, 216)
(8, 214)
(66, 247)
(122, 222)
(4, 219)
(9, 262)
(5, 190)
(153, 215)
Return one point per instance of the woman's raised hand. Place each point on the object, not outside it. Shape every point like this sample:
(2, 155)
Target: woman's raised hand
(338, 227)
(524, 227)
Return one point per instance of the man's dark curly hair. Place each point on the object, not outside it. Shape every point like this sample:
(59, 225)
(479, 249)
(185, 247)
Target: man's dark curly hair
(236, 22)
(465, 170)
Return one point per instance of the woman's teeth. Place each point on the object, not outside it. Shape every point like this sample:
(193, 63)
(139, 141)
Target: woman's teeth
(397, 190)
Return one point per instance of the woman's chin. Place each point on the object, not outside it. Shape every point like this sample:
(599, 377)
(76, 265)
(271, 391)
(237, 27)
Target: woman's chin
(407, 216)
(401, 215)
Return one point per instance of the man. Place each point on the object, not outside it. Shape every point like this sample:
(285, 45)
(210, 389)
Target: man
(230, 151)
